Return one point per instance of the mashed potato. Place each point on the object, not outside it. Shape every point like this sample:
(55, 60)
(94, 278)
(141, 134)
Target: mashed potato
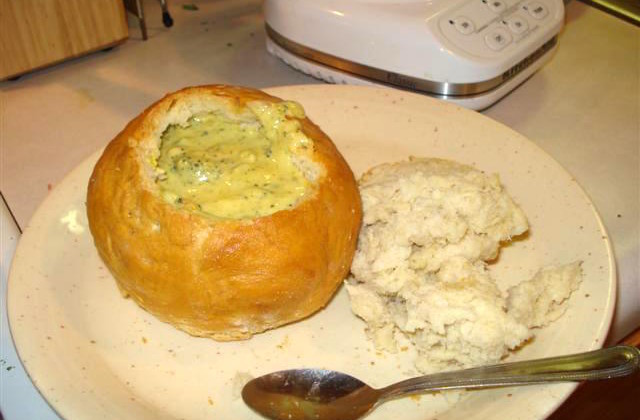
(419, 273)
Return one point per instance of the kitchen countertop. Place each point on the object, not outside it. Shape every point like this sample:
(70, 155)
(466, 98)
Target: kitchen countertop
(583, 108)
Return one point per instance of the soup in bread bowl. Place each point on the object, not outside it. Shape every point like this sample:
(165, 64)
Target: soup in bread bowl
(225, 212)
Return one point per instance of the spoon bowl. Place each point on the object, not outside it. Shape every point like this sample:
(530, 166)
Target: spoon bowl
(318, 394)
(310, 394)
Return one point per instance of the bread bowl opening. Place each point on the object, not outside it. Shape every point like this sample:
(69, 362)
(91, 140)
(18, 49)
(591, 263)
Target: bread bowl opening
(235, 165)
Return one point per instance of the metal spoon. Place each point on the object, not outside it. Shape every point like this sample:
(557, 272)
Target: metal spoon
(317, 394)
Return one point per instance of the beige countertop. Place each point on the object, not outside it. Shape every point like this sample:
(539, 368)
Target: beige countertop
(583, 108)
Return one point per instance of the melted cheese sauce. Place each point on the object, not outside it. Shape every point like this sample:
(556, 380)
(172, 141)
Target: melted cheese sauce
(235, 169)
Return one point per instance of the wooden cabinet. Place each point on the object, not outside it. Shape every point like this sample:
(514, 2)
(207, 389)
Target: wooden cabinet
(37, 33)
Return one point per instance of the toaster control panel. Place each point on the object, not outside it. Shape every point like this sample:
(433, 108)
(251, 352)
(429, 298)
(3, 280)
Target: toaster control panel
(490, 27)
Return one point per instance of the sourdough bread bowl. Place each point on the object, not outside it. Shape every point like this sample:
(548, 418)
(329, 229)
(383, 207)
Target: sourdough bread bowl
(224, 211)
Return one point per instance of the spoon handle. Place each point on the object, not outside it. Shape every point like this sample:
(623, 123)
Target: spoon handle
(606, 363)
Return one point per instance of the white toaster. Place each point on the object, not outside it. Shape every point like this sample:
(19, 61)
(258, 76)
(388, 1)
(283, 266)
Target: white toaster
(472, 52)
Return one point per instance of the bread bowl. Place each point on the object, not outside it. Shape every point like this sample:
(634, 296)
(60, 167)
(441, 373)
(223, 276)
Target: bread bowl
(178, 215)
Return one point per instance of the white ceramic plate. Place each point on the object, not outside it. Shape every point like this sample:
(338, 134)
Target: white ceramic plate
(95, 355)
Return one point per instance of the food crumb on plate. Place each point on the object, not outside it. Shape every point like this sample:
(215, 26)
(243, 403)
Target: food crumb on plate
(238, 382)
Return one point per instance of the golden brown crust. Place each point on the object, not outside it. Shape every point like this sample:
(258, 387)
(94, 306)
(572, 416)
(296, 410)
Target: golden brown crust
(225, 279)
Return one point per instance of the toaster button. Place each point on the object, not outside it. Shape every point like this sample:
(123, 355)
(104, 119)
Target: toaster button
(517, 24)
(537, 10)
(464, 25)
(497, 39)
(496, 6)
